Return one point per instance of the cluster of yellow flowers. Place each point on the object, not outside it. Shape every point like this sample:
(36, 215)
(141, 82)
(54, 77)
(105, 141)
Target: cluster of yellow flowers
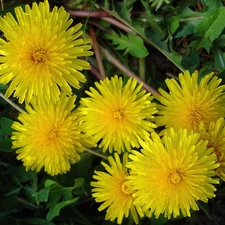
(40, 60)
(174, 169)
(176, 166)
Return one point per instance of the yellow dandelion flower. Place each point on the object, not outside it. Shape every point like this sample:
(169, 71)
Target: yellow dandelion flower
(47, 136)
(215, 135)
(172, 174)
(189, 102)
(117, 115)
(40, 54)
(111, 188)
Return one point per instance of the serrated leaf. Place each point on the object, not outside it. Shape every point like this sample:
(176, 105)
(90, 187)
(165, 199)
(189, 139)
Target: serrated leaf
(152, 39)
(209, 29)
(124, 9)
(131, 44)
(6, 124)
(55, 210)
(154, 27)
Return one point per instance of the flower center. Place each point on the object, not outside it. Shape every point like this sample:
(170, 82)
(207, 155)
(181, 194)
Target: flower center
(175, 177)
(196, 115)
(38, 56)
(118, 114)
(125, 188)
(53, 134)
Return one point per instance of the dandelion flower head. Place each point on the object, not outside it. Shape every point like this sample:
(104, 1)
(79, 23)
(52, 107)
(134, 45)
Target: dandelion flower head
(47, 135)
(215, 135)
(40, 53)
(171, 174)
(111, 188)
(189, 102)
(117, 115)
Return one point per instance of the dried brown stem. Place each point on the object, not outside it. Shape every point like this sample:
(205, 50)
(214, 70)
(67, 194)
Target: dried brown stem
(95, 72)
(96, 153)
(2, 5)
(118, 24)
(124, 69)
(97, 53)
(11, 103)
(96, 14)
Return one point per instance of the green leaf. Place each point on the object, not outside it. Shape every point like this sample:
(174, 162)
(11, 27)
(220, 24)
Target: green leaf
(42, 195)
(79, 182)
(186, 30)
(13, 192)
(20, 174)
(6, 125)
(219, 42)
(186, 15)
(153, 39)
(83, 166)
(58, 192)
(212, 5)
(3, 88)
(124, 9)
(9, 8)
(55, 210)
(204, 207)
(34, 220)
(218, 57)
(49, 183)
(189, 20)
(159, 221)
(131, 44)
(209, 29)
(6, 145)
(79, 218)
(191, 61)
(173, 24)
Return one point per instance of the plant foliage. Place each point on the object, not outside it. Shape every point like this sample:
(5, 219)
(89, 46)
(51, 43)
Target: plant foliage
(151, 39)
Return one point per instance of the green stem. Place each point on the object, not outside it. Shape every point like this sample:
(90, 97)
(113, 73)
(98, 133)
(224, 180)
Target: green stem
(26, 203)
(35, 186)
(142, 68)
